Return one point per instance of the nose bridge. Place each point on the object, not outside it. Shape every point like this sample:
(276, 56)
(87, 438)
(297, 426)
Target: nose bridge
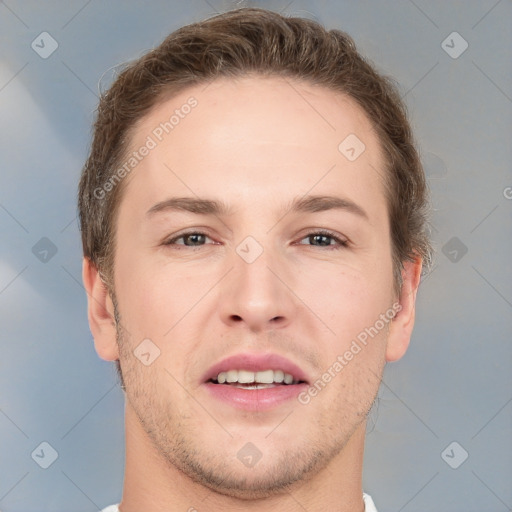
(255, 295)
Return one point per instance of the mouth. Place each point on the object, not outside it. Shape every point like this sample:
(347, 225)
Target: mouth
(255, 381)
(264, 379)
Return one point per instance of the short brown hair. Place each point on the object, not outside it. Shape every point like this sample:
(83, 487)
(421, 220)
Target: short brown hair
(234, 44)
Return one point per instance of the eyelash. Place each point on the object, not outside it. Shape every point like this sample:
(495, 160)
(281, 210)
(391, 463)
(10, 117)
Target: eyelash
(322, 232)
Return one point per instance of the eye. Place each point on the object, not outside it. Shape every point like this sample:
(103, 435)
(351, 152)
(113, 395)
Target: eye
(193, 239)
(324, 239)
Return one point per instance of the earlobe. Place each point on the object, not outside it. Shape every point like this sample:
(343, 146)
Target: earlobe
(100, 312)
(402, 325)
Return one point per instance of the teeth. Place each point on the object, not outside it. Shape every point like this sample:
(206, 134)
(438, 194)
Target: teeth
(248, 377)
(245, 377)
(279, 376)
(265, 377)
(231, 376)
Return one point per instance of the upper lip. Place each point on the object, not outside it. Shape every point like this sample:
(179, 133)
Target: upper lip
(256, 363)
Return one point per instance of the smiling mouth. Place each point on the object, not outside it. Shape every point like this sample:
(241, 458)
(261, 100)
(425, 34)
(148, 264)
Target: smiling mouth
(246, 379)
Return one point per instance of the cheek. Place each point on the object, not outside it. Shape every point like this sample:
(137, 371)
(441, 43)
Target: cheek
(349, 300)
(144, 297)
(157, 299)
(351, 304)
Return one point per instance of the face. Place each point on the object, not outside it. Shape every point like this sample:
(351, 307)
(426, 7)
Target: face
(251, 245)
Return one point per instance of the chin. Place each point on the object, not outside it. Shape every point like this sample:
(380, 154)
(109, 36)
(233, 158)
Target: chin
(261, 481)
(254, 487)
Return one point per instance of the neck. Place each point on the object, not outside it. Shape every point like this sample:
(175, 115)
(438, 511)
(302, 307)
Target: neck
(153, 485)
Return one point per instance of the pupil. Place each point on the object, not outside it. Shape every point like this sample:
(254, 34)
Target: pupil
(322, 239)
(195, 239)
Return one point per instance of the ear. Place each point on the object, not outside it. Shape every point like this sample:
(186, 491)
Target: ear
(100, 311)
(401, 326)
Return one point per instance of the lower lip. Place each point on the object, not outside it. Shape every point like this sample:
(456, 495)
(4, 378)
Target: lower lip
(254, 399)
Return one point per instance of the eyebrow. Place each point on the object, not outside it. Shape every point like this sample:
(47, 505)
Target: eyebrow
(306, 204)
(312, 204)
(190, 204)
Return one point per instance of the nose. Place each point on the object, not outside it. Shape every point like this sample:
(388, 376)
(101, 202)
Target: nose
(255, 294)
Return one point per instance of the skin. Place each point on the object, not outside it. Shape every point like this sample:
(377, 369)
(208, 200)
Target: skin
(255, 144)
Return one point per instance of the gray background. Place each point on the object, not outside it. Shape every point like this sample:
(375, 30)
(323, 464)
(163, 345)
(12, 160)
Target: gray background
(455, 382)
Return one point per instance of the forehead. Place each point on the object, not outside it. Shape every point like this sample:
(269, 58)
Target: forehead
(257, 132)
(274, 108)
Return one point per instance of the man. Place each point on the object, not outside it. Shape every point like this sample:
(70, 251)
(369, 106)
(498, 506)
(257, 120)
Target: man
(253, 223)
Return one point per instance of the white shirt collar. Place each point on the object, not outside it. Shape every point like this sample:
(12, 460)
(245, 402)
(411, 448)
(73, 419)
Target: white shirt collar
(369, 506)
